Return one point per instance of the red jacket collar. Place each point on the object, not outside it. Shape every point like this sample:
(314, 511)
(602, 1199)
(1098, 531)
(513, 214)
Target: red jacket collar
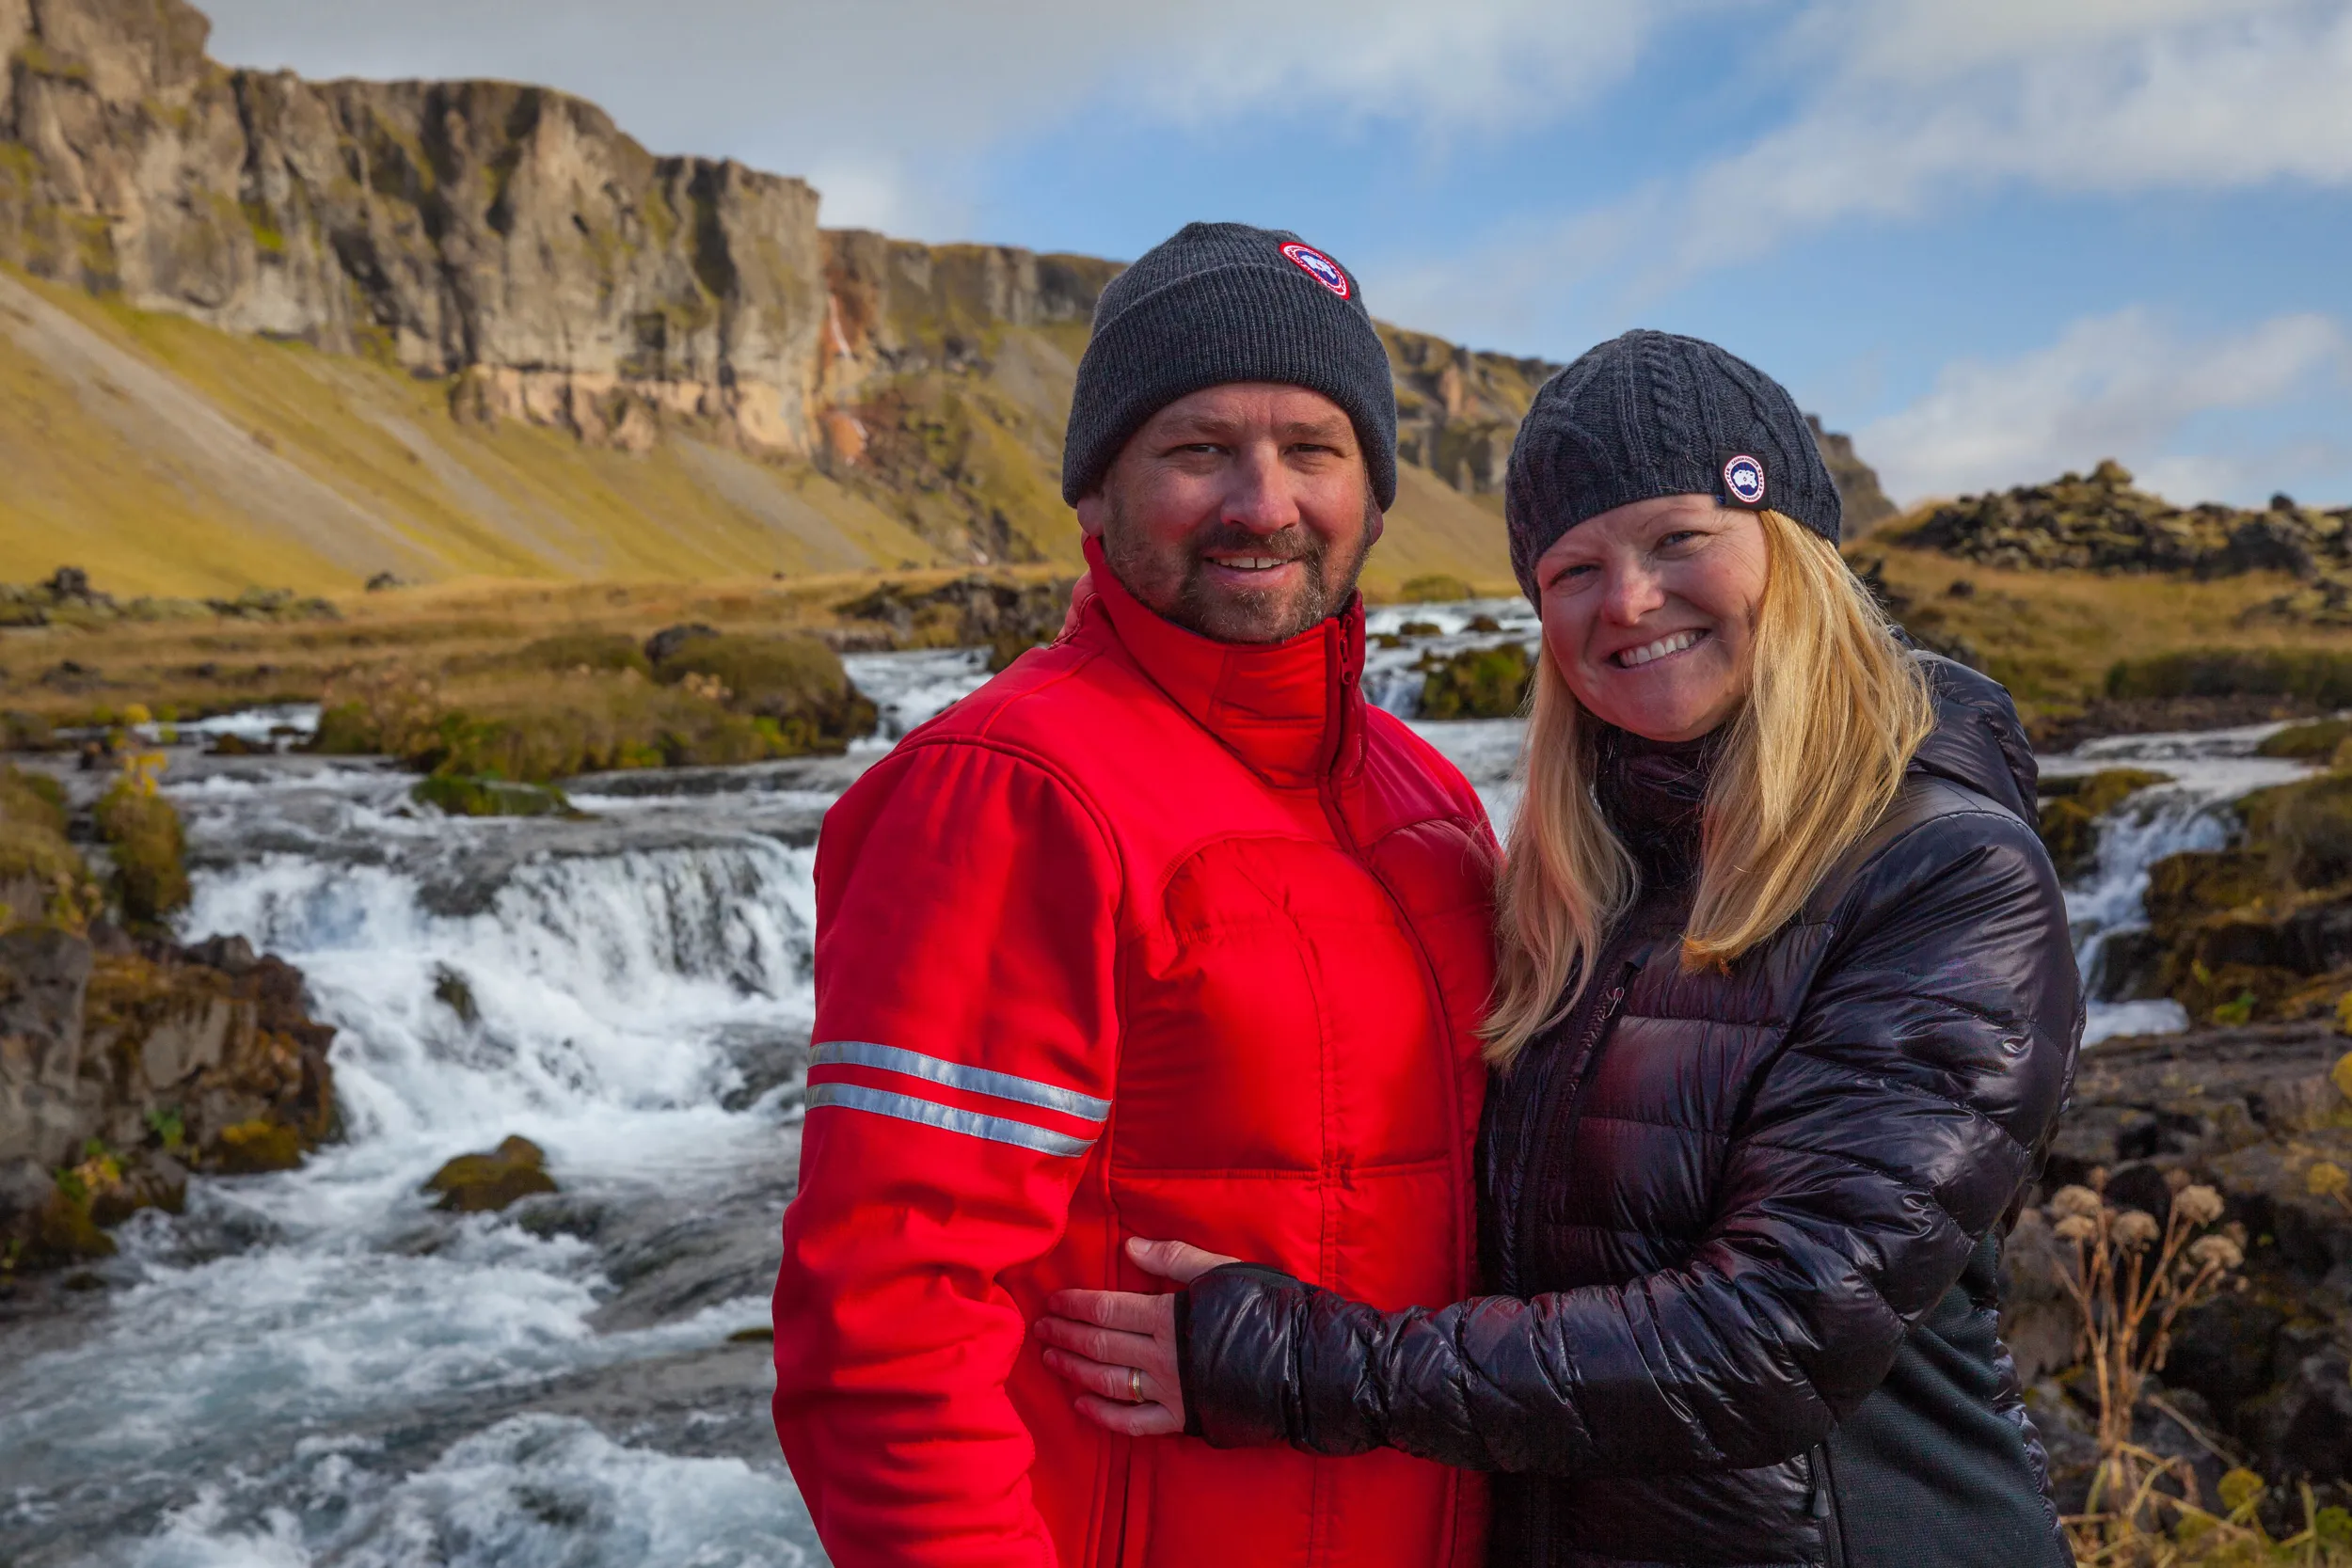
(1293, 711)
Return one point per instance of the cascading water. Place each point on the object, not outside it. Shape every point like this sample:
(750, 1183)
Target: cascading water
(2208, 770)
(315, 1366)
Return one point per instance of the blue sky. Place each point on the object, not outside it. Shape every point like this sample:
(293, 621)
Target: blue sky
(1994, 240)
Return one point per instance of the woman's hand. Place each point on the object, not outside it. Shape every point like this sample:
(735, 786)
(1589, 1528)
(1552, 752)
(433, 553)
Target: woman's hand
(1119, 1347)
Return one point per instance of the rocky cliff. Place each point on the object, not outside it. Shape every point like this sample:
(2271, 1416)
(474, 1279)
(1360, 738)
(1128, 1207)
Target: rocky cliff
(807, 400)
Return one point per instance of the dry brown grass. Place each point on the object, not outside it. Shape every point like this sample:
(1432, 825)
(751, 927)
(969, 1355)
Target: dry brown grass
(2051, 637)
(210, 664)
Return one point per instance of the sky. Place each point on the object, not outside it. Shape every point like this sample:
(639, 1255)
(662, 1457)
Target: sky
(1994, 240)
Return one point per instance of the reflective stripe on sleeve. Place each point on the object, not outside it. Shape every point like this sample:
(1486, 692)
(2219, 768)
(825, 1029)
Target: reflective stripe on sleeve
(956, 1075)
(953, 1119)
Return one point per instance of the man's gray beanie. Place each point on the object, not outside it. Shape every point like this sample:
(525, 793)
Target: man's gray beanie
(1222, 302)
(1651, 414)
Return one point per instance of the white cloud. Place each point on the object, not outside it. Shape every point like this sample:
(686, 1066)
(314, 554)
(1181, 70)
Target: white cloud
(2121, 386)
(885, 104)
(1935, 101)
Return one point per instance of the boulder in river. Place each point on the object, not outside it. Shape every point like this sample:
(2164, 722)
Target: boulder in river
(482, 1183)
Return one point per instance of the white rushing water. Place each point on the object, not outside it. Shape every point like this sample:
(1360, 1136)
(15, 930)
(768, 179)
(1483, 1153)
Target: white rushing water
(2208, 770)
(317, 1368)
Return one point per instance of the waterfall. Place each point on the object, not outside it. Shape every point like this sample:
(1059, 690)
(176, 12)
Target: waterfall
(2209, 771)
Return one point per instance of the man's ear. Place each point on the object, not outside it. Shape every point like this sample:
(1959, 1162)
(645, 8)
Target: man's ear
(1093, 512)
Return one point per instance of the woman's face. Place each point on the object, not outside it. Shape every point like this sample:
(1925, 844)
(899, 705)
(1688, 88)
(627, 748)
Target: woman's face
(1650, 611)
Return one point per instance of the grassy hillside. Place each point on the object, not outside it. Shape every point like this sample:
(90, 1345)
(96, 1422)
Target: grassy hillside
(166, 457)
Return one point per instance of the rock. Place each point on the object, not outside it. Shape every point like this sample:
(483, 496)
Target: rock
(232, 954)
(971, 612)
(2100, 523)
(669, 640)
(1436, 588)
(251, 1148)
(2253, 1112)
(2302, 1430)
(1860, 499)
(461, 795)
(1475, 683)
(482, 1183)
(797, 685)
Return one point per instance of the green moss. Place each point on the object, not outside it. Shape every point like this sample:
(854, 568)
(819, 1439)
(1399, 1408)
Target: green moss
(1476, 683)
(261, 1145)
(483, 1184)
(2306, 829)
(347, 729)
(460, 796)
(262, 225)
(40, 60)
(150, 850)
(1436, 588)
(2314, 742)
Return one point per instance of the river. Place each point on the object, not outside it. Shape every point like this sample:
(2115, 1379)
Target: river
(316, 1368)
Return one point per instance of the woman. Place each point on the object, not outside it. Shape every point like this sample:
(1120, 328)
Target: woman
(1787, 1012)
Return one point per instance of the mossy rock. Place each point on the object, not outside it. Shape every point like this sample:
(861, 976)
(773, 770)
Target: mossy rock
(483, 1184)
(251, 1148)
(465, 795)
(149, 850)
(1477, 682)
(65, 1233)
(2314, 742)
(1436, 588)
(347, 729)
(796, 682)
(2196, 883)
(2305, 828)
(2071, 807)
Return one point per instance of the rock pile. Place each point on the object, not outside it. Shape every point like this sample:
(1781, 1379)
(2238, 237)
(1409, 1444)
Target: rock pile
(2100, 523)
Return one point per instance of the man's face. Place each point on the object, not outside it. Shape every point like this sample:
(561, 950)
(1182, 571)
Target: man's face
(1242, 512)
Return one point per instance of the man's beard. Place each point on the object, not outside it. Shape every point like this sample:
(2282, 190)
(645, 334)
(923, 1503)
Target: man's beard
(1239, 614)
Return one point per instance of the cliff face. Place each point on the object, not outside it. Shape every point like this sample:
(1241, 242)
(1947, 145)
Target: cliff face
(510, 237)
(804, 399)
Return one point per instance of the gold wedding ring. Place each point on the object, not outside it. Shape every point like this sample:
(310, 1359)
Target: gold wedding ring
(1135, 1385)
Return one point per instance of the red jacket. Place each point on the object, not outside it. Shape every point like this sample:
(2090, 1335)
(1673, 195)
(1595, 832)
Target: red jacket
(1152, 936)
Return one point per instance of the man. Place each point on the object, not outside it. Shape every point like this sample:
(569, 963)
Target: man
(1163, 932)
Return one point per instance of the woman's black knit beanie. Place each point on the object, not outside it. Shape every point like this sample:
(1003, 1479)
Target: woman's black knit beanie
(1652, 414)
(1222, 302)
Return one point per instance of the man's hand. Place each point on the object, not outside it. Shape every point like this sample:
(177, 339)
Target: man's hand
(1119, 1347)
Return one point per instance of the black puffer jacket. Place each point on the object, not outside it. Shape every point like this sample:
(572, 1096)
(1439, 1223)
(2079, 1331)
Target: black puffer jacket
(1744, 1228)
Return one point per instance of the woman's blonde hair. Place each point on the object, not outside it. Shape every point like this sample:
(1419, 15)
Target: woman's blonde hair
(1835, 708)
